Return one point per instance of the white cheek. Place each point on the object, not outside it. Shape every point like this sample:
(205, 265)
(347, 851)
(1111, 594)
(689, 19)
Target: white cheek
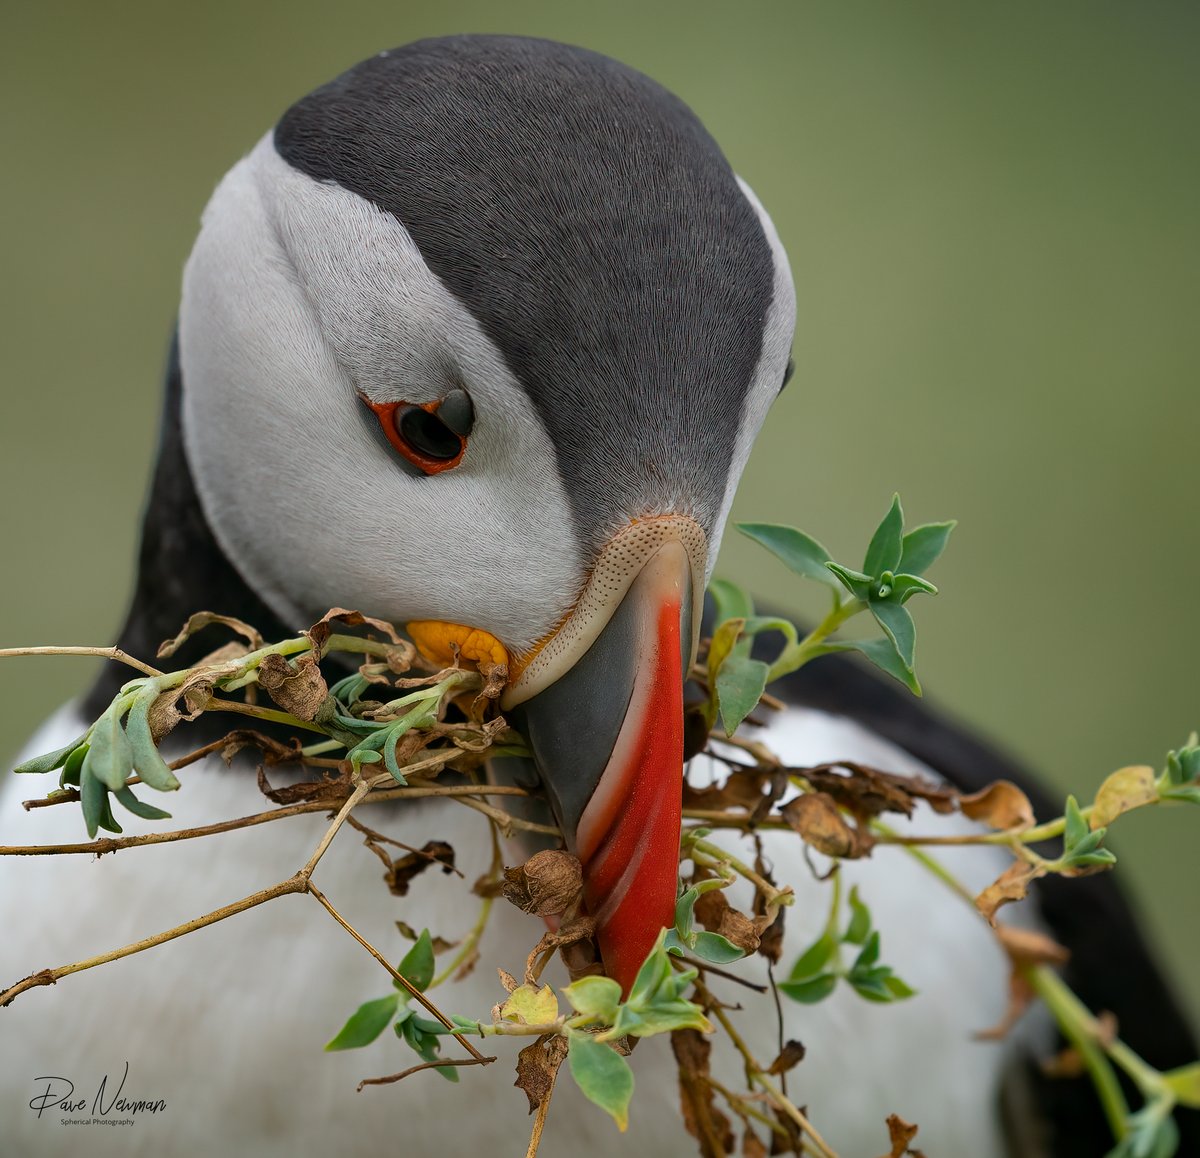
(275, 339)
(768, 375)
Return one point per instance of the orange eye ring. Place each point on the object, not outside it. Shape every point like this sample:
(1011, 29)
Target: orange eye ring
(416, 431)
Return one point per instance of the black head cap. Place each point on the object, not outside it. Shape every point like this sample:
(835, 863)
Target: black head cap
(594, 229)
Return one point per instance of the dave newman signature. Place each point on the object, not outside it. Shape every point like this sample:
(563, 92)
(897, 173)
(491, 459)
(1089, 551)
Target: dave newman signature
(60, 1095)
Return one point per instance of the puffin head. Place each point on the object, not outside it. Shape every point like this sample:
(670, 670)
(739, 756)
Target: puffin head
(478, 339)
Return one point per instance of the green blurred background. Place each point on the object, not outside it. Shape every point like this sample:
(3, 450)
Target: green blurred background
(992, 216)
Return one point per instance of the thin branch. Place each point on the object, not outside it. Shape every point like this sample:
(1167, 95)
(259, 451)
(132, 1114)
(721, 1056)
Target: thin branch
(430, 1065)
(294, 884)
(109, 844)
(104, 652)
(396, 975)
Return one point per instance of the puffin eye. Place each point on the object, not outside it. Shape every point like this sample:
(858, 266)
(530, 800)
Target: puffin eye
(787, 374)
(431, 436)
(427, 434)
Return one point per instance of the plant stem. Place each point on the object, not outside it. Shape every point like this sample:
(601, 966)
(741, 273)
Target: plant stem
(797, 655)
(104, 652)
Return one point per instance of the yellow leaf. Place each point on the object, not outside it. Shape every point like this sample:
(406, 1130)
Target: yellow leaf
(530, 1006)
(1124, 790)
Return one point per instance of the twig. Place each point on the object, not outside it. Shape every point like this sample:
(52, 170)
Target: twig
(114, 843)
(294, 884)
(104, 652)
(396, 975)
(429, 1065)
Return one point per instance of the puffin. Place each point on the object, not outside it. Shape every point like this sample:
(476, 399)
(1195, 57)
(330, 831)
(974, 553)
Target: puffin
(477, 338)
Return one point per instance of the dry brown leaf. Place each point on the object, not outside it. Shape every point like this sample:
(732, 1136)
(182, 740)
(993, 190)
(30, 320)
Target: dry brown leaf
(201, 620)
(1020, 997)
(742, 790)
(1028, 947)
(507, 980)
(1000, 805)
(752, 1146)
(547, 884)
(537, 1067)
(574, 932)
(900, 1134)
(320, 631)
(791, 1055)
(701, 1116)
(297, 686)
(1010, 885)
(1123, 791)
(403, 870)
(333, 786)
(816, 817)
(868, 791)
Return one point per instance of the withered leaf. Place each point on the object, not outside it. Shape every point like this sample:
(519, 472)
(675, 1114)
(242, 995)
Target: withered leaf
(1011, 885)
(547, 884)
(900, 1134)
(999, 805)
(404, 869)
(1024, 948)
(320, 631)
(713, 911)
(815, 816)
(1028, 947)
(868, 791)
(333, 786)
(1020, 997)
(1123, 791)
(297, 686)
(507, 980)
(273, 751)
(537, 1067)
(701, 1115)
(579, 930)
(752, 1146)
(791, 1055)
(740, 790)
(201, 620)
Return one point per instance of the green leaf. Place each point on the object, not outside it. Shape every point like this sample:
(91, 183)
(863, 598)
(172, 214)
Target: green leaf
(858, 584)
(109, 758)
(814, 958)
(860, 920)
(683, 912)
(898, 989)
(595, 997)
(366, 1023)
(812, 991)
(897, 623)
(1075, 829)
(417, 965)
(883, 654)
(92, 800)
(739, 688)
(923, 545)
(731, 601)
(759, 623)
(868, 955)
(801, 553)
(904, 587)
(72, 769)
(603, 1076)
(106, 819)
(1184, 1083)
(654, 974)
(717, 949)
(147, 760)
(723, 641)
(887, 544)
(50, 760)
(139, 807)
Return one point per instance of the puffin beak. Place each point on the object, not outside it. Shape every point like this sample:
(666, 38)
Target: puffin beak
(601, 705)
